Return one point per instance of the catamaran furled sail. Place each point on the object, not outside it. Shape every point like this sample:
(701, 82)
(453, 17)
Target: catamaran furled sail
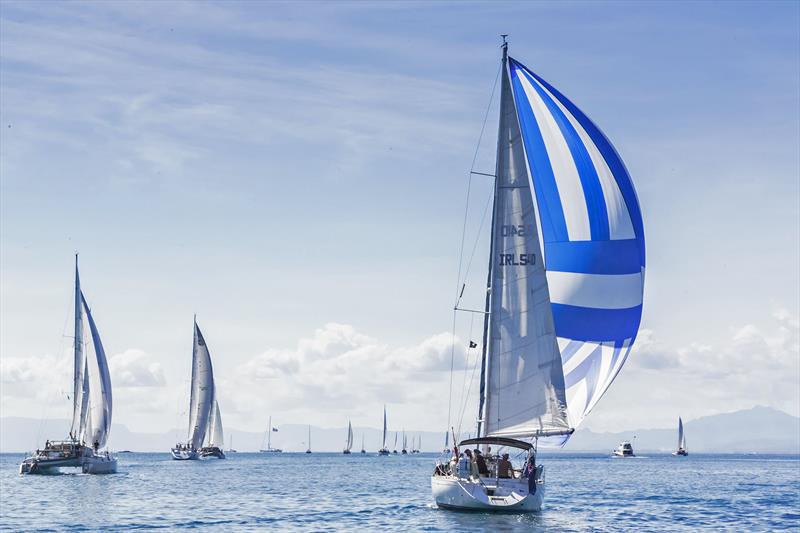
(565, 283)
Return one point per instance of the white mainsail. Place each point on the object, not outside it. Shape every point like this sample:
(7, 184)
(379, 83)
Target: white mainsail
(524, 391)
(681, 436)
(80, 390)
(349, 444)
(202, 391)
(383, 447)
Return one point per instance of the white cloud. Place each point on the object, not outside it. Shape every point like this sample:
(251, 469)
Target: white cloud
(340, 372)
(755, 366)
(134, 368)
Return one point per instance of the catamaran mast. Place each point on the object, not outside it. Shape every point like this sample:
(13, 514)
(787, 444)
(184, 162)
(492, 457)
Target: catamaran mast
(488, 302)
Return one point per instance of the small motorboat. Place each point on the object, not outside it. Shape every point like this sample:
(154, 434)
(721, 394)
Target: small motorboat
(625, 449)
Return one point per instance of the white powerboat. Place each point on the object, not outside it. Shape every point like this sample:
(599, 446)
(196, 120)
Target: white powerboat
(625, 449)
(91, 405)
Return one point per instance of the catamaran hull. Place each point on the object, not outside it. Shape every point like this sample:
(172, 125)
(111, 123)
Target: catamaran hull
(88, 465)
(99, 464)
(510, 496)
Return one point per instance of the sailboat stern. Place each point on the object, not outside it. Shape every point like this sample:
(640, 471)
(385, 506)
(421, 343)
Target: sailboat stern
(486, 494)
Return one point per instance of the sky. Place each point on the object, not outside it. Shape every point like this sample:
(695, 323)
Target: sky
(295, 174)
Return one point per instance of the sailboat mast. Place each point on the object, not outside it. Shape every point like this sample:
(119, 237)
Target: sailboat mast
(269, 434)
(77, 390)
(488, 301)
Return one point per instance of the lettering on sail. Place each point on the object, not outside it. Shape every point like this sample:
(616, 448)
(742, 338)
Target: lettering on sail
(515, 230)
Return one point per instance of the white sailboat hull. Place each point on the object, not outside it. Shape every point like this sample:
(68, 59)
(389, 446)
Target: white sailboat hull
(184, 455)
(89, 464)
(99, 464)
(488, 494)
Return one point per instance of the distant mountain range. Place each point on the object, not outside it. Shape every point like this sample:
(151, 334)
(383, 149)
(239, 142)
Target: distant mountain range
(756, 430)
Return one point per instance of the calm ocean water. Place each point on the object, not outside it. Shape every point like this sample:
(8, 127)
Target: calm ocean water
(329, 492)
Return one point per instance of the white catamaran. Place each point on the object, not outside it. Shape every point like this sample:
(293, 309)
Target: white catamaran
(91, 405)
(205, 420)
(682, 449)
(564, 292)
(348, 444)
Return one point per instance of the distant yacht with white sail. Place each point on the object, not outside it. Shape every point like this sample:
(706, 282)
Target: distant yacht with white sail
(682, 449)
(384, 450)
(91, 404)
(268, 439)
(309, 440)
(563, 299)
(363, 450)
(348, 443)
(404, 451)
(205, 420)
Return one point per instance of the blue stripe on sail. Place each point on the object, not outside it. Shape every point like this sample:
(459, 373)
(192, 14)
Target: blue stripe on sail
(613, 160)
(590, 182)
(588, 324)
(593, 257)
(551, 214)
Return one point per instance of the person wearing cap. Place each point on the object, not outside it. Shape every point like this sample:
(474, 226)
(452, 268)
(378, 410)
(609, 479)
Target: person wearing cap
(483, 470)
(504, 468)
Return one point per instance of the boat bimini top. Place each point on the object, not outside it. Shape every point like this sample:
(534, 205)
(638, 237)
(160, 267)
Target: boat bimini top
(500, 441)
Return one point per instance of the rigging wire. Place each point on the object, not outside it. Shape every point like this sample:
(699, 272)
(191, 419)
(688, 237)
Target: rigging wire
(461, 249)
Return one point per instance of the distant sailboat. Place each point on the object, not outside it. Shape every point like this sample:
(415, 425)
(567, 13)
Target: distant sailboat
(230, 444)
(204, 413)
(394, 448)
(363, 450)
(416, 447)
(309, 440)
(384, 450)
(682, 449)
(563, 300)
(268, 440)
(348, 445)
(404, 451)
(91, 405)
